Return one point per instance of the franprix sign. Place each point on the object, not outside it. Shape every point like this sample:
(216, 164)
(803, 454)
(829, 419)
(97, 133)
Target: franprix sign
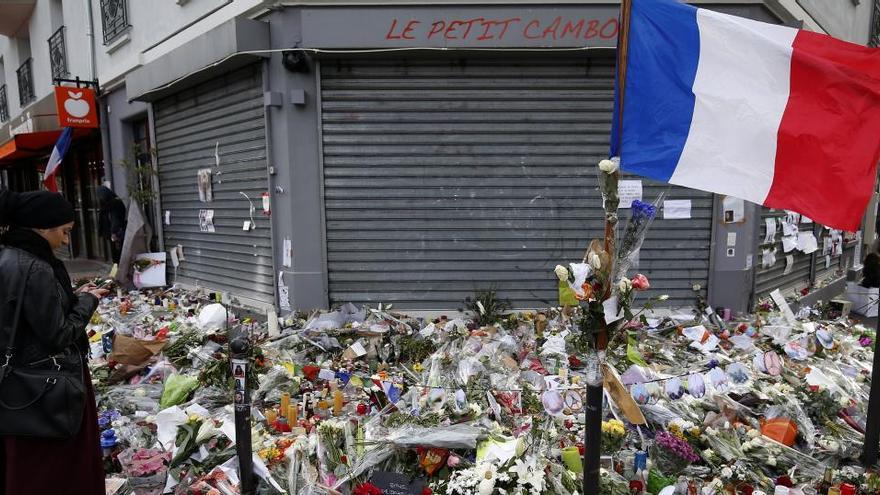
(460, 27)
(76, 107)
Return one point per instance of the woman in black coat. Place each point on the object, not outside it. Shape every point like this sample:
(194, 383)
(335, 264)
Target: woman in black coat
(53, 320)
(112, 220)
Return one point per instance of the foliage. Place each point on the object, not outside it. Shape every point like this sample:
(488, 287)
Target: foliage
(140, 173)
(487, 307)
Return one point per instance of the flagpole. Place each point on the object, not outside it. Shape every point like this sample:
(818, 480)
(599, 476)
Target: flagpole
(593, 410)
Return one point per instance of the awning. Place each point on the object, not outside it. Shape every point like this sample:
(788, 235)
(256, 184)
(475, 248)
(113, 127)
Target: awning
(32, 144)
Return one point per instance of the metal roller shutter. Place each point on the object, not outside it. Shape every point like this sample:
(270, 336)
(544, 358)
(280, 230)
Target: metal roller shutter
(228, 110)
(769, 279)
(445, 176)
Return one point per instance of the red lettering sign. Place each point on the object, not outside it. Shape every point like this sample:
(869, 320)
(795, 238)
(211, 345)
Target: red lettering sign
(481, 29)
(76, 107)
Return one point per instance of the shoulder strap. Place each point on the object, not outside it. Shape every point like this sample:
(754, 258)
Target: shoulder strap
(10, 346)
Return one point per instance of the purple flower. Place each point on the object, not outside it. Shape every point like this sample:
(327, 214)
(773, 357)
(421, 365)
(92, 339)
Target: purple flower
(866, 341)
(673, 445)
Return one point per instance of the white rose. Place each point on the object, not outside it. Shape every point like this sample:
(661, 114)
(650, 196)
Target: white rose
(663, 297)
(696, 287)
(754, 433)
(771, 461)
(726, 472)
(487, 487)
(594, 261)
(624, 285)
(843, 402)
(608, 166)
(561, 273)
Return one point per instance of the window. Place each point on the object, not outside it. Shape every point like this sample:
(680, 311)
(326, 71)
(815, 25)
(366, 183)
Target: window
(58, 55)
(114, 19)
(4, 105)
(25, 83)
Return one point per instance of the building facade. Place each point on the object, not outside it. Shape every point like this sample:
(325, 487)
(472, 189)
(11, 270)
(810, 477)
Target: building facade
(300, 156)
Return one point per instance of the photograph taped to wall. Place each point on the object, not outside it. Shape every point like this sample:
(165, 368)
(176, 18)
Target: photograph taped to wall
(734, 209)
(206, 193)
(206, 220)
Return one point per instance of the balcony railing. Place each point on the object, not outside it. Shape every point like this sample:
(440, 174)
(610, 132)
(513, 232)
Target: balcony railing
(26, 83)
(114, 19)
(4, 105)
(58, 55)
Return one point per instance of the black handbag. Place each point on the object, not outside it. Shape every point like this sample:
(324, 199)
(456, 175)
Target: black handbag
(43, 398)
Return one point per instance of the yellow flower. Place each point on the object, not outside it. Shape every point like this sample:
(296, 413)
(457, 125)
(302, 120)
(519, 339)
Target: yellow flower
(418, 368)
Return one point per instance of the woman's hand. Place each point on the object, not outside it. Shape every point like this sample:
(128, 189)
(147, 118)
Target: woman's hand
(99, 293)
(87, 288)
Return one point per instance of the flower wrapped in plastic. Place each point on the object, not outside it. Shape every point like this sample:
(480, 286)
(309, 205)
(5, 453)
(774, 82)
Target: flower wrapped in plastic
(641, 216)
(613, 435)
(672, 454)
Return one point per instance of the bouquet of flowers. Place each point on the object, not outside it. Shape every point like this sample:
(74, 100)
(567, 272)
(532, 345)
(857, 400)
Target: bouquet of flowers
(613, 434)
(146, 469)
(672, 454)
(191, 435)
(642, 214)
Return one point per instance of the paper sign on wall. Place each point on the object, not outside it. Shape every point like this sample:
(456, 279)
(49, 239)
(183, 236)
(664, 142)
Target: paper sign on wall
(206, 192)
(789, 264)
(770, 233)
(675, 209)
(206, 220)
(731, 239)
(807, 242)
(629, 191)
(789, 243)
(167, 217)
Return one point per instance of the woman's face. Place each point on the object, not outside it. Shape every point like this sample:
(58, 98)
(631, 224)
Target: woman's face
(57, 236)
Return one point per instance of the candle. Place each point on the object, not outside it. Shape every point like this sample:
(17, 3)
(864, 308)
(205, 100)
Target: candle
(285, 403)
(337, 402)
(271, 416)
(293, 413)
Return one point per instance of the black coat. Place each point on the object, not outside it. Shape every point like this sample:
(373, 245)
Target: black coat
(51, 322)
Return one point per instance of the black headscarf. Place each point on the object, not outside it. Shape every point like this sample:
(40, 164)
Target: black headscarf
(40, 210)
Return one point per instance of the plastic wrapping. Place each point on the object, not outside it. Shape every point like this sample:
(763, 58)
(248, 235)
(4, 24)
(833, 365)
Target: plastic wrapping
(458, 436)
(177, 389)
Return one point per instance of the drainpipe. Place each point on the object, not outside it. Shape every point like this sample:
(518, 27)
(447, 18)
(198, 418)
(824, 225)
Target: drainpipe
(102, 107)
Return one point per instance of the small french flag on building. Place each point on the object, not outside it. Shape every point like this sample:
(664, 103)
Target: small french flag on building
(775, 115)
(55, 159)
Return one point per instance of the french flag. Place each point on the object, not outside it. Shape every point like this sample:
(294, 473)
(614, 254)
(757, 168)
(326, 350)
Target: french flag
(56, 157)
(778, 116)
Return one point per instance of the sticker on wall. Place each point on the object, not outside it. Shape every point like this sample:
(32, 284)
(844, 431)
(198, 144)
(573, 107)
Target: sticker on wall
(287, 253)
(267, 204)
(283, 293)
(167, 217)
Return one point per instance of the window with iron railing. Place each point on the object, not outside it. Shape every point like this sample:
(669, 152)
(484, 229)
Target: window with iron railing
(114, 19)
(875, 25)
(26, 83)
(58, 55)
(4, 105)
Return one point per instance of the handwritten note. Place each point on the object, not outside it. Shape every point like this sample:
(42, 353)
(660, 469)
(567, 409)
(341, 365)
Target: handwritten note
(629, 191)
(397, 484)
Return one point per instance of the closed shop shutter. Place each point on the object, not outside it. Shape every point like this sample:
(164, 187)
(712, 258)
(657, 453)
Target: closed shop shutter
(774, 277)
(227, 110)
(442, 177)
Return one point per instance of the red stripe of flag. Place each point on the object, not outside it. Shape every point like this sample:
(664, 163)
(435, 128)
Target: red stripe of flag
(829, 137)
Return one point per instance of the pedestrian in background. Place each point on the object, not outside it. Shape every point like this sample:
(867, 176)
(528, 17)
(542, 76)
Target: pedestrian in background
(112, 220)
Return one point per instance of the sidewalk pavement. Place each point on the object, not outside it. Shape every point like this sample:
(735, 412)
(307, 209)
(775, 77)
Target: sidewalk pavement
(83, 268)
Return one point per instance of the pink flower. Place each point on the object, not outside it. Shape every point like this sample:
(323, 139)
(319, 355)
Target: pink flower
(640, 282)
(452, 461)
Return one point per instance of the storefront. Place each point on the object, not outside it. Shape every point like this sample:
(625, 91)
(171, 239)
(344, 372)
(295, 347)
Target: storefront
(23, 160)
(415, 155)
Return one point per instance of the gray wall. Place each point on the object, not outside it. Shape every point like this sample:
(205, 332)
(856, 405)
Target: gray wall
(842, 18)
(293, 134)
(118, 113)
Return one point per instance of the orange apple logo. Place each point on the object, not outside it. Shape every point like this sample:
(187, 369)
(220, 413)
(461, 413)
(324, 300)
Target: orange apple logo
(75, 106)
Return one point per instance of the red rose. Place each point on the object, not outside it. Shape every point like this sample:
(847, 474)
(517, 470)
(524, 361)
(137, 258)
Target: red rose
(640, 282)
